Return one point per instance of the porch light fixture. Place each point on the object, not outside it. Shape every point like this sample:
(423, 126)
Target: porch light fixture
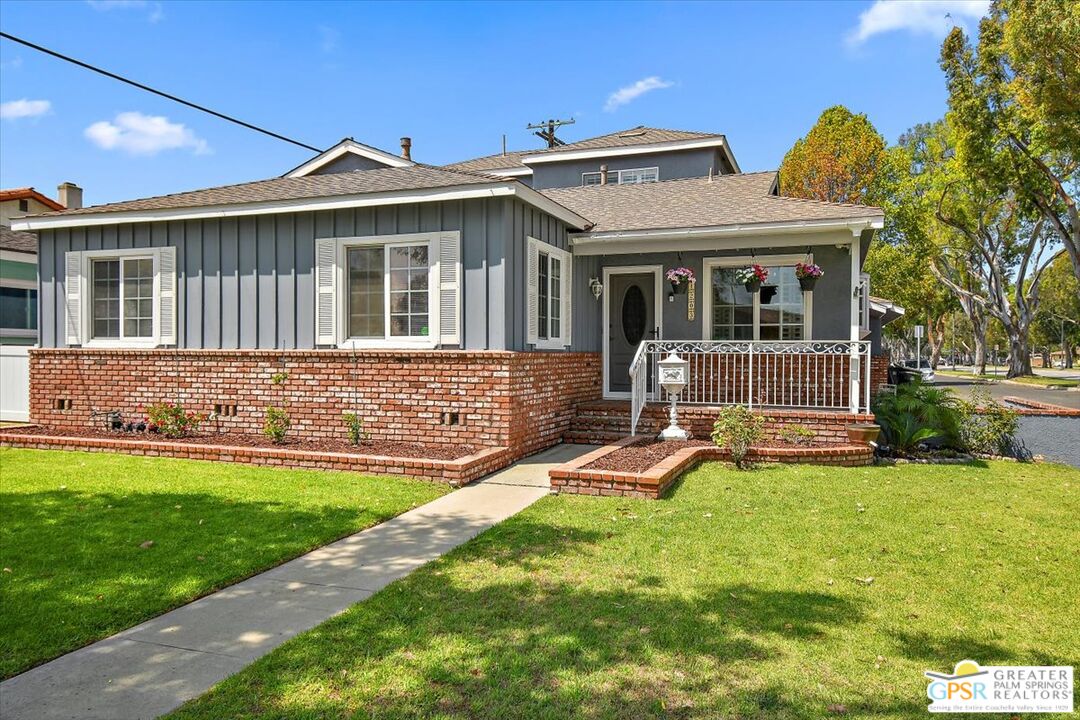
(596, 286)
(674, 374)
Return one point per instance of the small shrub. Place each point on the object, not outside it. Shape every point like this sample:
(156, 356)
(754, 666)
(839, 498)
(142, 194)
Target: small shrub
(987, 426)
(279, 378)
(172, 420)
(797, 435)
(737, 429)
(918, 413)
(355, 426)
(276, 425)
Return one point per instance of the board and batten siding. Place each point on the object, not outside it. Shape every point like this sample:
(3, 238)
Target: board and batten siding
(249, 282)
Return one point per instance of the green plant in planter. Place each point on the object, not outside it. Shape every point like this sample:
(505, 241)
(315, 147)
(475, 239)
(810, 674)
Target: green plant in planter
(355, 426)
(737, 429)
(797, 435)
(917, 413)
(172, 420)
(987, 426)
(276, 425)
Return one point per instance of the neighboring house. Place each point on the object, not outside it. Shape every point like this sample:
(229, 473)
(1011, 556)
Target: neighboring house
(18, 261)
(477, 302)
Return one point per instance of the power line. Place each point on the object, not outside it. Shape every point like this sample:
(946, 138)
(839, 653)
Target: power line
(149, 89)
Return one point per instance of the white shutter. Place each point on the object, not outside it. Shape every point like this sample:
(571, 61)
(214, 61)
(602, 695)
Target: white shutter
(166, 264)
(567, 290)
(450, 288)
(73, 321)
(325, 307)
(532, 272)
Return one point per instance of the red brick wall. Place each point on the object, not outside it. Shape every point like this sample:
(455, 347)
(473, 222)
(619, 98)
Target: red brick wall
(879, 373)
(504, 399)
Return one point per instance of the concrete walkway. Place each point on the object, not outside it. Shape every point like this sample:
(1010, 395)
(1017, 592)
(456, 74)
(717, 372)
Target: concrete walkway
(154, 667)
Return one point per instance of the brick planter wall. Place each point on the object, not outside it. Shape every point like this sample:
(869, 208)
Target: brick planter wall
(520, 401)
(608, 420)
(574, 478)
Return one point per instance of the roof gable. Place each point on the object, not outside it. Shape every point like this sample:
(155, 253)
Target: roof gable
(29, 193)
(346, 147)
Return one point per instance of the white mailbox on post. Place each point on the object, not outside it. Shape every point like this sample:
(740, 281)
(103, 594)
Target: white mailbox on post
(674, 374)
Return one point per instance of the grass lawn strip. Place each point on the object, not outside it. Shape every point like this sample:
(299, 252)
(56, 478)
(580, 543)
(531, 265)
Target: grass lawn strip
(1037, 380)
(73, 528)
(787, 592)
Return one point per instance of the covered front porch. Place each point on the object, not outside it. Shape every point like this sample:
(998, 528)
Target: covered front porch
(785, 346)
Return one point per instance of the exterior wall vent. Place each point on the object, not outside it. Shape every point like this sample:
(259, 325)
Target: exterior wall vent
(451, 418)
(225, 410)
(62, 404)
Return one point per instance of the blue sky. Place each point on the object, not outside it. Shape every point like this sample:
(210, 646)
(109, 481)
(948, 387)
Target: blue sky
(454, 77)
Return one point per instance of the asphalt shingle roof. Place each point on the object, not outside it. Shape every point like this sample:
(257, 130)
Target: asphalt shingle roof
(417, 177)
(640, 135)
(739, 199)
(17, 241)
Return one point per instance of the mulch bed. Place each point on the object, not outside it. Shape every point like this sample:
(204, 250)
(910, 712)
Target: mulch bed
(371, 447)
(641, 456)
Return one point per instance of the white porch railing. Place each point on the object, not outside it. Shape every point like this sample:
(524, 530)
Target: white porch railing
(811, 375)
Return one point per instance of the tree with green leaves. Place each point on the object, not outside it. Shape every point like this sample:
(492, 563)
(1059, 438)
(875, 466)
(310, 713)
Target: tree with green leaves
(1014, 103)
(837, 161)
(1057, 323)
(899, 263)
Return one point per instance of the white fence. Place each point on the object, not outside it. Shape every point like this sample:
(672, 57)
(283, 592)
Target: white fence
(815, 375)
(14, 383)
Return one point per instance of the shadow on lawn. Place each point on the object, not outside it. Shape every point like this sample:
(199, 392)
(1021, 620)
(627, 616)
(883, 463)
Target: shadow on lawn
(445, 642)
(78, 573)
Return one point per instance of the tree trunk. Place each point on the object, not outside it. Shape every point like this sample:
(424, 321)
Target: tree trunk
(1019, 356)
(1067, 361)
(935, 336)
(1047, 360)
(979, 341)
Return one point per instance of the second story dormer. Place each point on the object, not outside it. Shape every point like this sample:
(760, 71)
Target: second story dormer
(637, 155)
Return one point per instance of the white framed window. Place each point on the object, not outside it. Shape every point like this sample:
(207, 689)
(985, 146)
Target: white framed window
(121, 298)
(550, 275)
(389, 291)
(780, 311)
(623, 177)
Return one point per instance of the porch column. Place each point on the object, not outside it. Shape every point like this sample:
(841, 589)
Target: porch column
(856, 324)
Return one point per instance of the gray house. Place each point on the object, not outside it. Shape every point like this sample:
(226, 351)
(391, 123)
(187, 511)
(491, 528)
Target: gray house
(551, 263)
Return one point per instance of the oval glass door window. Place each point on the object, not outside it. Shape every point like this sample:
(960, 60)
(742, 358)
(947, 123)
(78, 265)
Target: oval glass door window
(633, 315)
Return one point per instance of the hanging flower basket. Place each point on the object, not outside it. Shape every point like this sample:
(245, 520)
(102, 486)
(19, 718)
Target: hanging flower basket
(768, 292)
(752, 277)
(808, 274)
(680, 279)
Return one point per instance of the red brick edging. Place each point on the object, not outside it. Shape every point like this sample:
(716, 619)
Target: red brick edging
(1033, 407)
(455, 472)
(572, 477)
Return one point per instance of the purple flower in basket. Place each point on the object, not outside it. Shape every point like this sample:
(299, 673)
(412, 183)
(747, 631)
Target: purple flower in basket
(808, 270)
(679, 275)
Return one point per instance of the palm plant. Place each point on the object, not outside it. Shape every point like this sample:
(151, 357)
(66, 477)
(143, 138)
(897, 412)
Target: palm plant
(918, 413)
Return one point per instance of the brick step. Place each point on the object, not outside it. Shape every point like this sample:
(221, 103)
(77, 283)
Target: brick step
(591, 437)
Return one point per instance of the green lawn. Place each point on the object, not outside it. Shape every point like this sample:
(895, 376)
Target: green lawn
(775, 593)
(72, 526)
(1040, 380)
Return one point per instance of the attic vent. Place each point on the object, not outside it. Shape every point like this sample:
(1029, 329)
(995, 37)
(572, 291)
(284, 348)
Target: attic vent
(636, 133)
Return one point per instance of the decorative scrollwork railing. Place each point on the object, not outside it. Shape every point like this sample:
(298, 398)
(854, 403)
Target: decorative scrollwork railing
(812, 374)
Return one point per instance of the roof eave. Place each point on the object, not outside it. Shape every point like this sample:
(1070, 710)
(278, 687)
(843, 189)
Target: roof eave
(598, 243)
(451, 192)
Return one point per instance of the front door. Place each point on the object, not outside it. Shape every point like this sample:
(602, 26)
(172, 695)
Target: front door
(631, 299)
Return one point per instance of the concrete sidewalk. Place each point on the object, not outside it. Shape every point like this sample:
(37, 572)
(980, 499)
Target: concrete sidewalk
(154, 667)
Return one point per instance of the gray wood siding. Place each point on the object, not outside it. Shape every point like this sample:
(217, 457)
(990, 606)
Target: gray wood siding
(522, 221)
(249, 282)
(672, 165)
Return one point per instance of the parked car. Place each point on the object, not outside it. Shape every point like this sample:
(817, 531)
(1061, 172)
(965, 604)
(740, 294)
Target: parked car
(923, 367)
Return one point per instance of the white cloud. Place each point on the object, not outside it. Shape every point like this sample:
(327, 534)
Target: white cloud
(330, 38)
(156, 12)
(929, 17)
(24, 108)
(140, 134)
(627, 94)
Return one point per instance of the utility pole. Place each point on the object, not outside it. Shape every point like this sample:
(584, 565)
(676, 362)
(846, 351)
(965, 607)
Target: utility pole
(546, 131)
